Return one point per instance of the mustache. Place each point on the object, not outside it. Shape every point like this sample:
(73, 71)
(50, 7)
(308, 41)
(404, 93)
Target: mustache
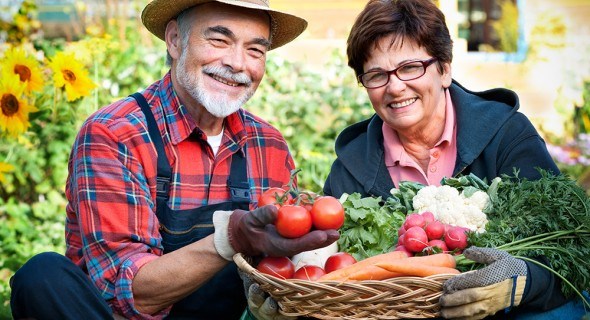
(226, 73)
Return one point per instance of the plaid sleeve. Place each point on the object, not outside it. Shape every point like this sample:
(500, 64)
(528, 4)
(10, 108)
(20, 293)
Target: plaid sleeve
(116, 217)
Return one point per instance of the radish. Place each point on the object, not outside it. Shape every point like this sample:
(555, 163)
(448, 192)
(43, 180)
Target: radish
(428, 217)
(456, 238)
(404, 250)
(435, 230)
(438, 243)
(414, 220)
(415, 239)
(401, 240)
(401, 231)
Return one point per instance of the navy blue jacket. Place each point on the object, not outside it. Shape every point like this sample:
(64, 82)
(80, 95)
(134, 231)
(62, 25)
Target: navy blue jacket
(492, 139)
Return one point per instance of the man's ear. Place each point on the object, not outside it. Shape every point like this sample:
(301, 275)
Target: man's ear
(173, 39)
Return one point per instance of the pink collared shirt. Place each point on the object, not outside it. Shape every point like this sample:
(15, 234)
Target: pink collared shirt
(402, 167)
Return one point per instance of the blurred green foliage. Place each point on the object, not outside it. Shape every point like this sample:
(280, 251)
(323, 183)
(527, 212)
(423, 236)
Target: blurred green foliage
(310, 108)
(582, 112)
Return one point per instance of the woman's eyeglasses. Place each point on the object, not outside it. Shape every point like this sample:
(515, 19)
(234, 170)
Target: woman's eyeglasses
(406, 72)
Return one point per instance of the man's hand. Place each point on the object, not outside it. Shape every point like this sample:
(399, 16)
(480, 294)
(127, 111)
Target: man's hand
(481, 293)
(260, 304)
(253, 233)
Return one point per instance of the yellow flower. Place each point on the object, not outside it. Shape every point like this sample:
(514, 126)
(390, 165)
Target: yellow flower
(14, 109)
(25, 66)
(5, 168)
(71, 74)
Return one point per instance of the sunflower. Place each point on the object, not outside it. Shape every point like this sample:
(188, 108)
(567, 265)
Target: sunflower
(14, 109)
(69, 72)
(5, 168)
(26, 67)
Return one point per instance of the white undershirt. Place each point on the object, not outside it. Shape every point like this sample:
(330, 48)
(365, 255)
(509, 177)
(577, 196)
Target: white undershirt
(215, 141)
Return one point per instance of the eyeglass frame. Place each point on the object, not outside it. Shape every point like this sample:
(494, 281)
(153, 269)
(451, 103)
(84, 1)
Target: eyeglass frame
(425, 64)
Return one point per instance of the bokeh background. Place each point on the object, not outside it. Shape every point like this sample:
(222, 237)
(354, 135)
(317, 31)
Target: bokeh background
(61, 60)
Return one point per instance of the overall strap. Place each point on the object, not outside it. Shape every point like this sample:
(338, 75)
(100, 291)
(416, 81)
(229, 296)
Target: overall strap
(164, 172)
(238, 179)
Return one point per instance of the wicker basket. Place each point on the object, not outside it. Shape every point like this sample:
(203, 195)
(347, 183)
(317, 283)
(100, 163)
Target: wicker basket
(396, 298)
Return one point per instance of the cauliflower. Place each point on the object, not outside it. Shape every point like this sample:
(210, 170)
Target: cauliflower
(450, 206)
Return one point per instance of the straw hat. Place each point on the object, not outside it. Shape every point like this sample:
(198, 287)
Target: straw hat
(284, 27)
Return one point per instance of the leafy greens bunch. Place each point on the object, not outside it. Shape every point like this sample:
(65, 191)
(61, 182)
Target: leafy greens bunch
(371, 223)
(548, 217)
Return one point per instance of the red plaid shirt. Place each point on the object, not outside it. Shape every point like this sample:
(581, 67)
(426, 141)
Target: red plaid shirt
(111, 226)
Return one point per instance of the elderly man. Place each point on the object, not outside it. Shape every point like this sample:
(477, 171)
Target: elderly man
(160, 183)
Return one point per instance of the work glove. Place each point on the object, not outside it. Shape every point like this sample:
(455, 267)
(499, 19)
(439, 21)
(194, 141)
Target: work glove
(481, 293)
(253, 233)
(261, 305)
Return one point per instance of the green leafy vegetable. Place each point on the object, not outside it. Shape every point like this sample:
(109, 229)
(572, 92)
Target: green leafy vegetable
(370, 227)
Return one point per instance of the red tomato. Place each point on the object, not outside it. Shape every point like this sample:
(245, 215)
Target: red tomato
(280, 267)
(293, 221)
(327, 213)
(309, 272)
(338, 260)
(272, 196)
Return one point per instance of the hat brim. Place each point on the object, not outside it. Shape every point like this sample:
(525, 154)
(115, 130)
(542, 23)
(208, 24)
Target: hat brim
(284, 26)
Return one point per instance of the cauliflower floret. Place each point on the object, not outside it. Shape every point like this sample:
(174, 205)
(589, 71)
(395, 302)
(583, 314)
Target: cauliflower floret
(476, 220)
(479, 199)
(433, 196)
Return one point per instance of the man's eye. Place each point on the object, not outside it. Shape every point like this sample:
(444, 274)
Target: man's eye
(218, 41)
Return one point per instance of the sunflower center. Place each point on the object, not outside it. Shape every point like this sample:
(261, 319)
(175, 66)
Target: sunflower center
(9, 104)
(23, 72)
(69, 75)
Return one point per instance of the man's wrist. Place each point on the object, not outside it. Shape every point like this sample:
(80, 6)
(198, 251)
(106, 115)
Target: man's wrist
(221, 237)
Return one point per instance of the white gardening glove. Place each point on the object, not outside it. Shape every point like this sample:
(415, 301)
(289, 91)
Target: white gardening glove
(481, 293)
(261, 305)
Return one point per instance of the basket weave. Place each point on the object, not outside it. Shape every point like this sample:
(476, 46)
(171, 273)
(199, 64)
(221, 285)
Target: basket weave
(395, 298)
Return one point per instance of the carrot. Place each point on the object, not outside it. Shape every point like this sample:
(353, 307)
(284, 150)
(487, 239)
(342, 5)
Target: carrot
(344, 273)
(416, 271)
(441, 263)
(373, 273)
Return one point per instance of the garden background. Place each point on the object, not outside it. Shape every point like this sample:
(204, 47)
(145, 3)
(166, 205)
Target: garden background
(56, 70)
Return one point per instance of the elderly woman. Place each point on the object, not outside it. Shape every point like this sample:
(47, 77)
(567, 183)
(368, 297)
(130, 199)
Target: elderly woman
(426, 127)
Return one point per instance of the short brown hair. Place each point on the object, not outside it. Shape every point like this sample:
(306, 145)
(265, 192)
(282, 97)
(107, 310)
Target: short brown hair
(418, 20)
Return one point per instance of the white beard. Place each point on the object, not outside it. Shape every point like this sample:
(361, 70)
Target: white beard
(217, 103)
